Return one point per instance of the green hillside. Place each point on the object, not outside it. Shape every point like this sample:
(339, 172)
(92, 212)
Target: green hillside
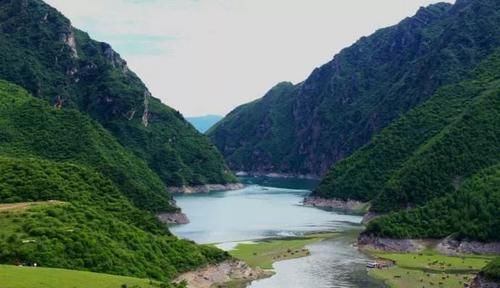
(427, 152)
(307, 127)
(470, 213)
(30, 127)
(441, 159)
(42, 52)
(104, 223)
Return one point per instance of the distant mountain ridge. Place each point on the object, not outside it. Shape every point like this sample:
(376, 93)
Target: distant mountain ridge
(204, 123)
(304, 129)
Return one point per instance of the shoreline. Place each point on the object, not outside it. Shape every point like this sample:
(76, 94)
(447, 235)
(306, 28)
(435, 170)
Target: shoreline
(446, 246)
(230, 273)
(277, 175)
(206, 188)
(349, 206)
(265, 252)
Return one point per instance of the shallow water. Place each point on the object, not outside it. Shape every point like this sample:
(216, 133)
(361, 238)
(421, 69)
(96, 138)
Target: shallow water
(258, 212)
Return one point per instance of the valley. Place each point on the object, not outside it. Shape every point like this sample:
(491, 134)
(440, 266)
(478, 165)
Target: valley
(381, 168)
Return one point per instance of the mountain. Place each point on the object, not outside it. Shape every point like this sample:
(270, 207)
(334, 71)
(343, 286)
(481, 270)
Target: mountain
(30, 127)
(73, 197)
(437, 168)
(305, 128)
(455, 128)
(203, 123)
(42, 52)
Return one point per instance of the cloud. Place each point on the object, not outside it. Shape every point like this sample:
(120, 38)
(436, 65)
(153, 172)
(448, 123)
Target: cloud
(209, 56)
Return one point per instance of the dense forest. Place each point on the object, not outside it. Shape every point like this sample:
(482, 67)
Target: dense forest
(43, 53)
(30, 127)
(305, 128)
(94, 188)
(429, 151)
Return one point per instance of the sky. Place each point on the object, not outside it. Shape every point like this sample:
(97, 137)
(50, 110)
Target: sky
(209, 56)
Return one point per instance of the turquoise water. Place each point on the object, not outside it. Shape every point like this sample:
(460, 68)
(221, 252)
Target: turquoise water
(272, 208)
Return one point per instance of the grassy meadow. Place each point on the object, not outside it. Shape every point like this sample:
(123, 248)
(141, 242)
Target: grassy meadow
(429, 269)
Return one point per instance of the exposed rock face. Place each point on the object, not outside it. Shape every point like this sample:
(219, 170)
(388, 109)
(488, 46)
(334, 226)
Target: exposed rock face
(69, 39)
(145, 114)
(173, 218)
(452, 247)
(349, 205)
(446, 246)
(205, 188)
(113, 57)
(391, 245)
(219, 274)
(481, 282)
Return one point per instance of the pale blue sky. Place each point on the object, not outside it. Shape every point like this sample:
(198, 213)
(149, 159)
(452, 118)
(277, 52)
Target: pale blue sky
(209, 56)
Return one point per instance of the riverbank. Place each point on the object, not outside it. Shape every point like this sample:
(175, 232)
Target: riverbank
(428, 268)
(349, 206)
(205, 188)
(230, 274)
(277, 175)
(264, 253)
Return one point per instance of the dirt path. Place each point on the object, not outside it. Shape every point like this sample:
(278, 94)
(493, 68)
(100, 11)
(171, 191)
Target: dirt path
(26, 205)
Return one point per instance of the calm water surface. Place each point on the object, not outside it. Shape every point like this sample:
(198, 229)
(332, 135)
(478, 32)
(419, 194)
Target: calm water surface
(272, 208)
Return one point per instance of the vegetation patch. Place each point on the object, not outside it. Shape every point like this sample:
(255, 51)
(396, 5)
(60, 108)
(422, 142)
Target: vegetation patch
(427, 269)
(264, 253)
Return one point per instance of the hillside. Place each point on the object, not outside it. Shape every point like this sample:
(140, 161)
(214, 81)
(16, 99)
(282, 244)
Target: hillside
(101, 197)
(440, 143)
(305, 128)
(29, 127)
(42, 52)
(203, 123)
(440, 158)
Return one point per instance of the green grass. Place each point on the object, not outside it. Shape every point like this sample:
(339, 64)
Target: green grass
(429, 269)
(29, 277)
(409, 278)
(264, 253)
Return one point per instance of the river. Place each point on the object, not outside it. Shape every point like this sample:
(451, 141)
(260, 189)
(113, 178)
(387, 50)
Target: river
(272, 208)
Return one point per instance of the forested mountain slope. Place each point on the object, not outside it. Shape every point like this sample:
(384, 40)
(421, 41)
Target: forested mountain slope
(42, 52)
(72, 197)
(430, 150)
(438, 165)
(30, 127)
(305, 128)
